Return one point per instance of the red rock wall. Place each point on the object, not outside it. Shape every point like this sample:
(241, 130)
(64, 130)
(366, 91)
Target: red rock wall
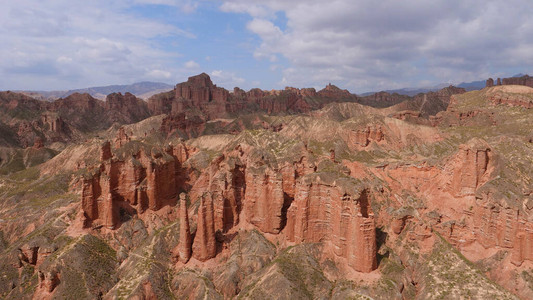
(129, 186)
(204, 245)
(323, 213)
(511, 100)
(470, 168)
(264, 199)
(524, 80)
(363, 137)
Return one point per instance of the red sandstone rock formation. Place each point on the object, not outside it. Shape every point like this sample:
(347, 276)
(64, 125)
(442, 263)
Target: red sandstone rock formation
(511, 99)
(524, 80)
(200, 89)
(48, 281)
(382, 99)
(131, 185)
(471, 168)
(204, 246)
(489, 83)
(337, 215)
(363, 137)
(122, 138)
(264, 199)
(105, 151)
(53, 122)
(200, 94)
(185, 126)
(225, 181)
(184, 246)
(126, 108)
(236, 187)
(331, 91)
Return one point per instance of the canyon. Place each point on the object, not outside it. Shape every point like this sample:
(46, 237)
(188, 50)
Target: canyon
(201, 192)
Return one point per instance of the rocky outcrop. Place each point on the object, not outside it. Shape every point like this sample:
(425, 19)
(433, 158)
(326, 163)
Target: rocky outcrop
(523, 244)
(48, 281)
(471, 168)
(338, 214)
(183, 125)
(523, 80)
(38, 144)
(383, 99)
(363, 137)
(199, 94)
(264, 199)
(184, 246)
(126, 108)
(122, 138)
(122, 187)
(512, 96)
(200, 89)
(238, 187)
(331, 91)
(204, 246)
(53, 122)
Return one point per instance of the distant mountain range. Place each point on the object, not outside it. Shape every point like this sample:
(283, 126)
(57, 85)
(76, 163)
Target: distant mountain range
(468, 86)
(142, 90)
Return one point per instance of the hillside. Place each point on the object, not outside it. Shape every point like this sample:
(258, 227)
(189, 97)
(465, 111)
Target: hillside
(202, 193)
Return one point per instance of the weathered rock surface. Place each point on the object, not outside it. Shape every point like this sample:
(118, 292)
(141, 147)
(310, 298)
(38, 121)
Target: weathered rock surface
(339, 214)
(512, 95)
(200, 94)
(184, 246)
(347, 201)
(471, 168)
(523, 80)
(122, 187)
(205, 245)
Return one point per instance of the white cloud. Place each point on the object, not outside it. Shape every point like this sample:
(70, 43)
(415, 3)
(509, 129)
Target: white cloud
(226, 79)
(82, 43)
(159, 74)
(64, 59)
(191, 64)
(189, 7)
(366, 44)
(186, 6)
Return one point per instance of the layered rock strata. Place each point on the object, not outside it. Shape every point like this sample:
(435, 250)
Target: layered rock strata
(185, 242)
(200, 94)
(204, 246)
(237, 188)
(337, 214)
(122, 187)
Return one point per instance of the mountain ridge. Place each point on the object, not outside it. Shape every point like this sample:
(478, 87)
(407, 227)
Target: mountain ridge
(141, 89)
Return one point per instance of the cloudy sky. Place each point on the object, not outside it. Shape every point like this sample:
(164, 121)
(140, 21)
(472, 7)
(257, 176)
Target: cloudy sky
(360, 45)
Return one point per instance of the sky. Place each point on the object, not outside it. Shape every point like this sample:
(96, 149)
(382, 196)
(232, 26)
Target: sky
(359, 45)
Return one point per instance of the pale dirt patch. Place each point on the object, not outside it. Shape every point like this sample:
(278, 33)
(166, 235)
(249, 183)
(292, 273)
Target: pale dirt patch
(212, 142)
(516, 89)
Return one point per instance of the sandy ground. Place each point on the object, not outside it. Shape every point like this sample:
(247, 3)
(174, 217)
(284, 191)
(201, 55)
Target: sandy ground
(517, 89)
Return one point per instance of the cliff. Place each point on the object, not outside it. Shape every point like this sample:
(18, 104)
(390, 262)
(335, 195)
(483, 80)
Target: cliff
(525, 80)
(199, 94)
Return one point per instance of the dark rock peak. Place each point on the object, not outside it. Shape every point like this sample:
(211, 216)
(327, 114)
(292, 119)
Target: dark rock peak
(200, 80)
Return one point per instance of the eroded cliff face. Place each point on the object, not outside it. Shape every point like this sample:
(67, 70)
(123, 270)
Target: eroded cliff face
(119, 188)
(523, 80)
(238, 189)
(463, 205)
(512, 95)
(471, 168)
(337, 214)
(200, 94)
